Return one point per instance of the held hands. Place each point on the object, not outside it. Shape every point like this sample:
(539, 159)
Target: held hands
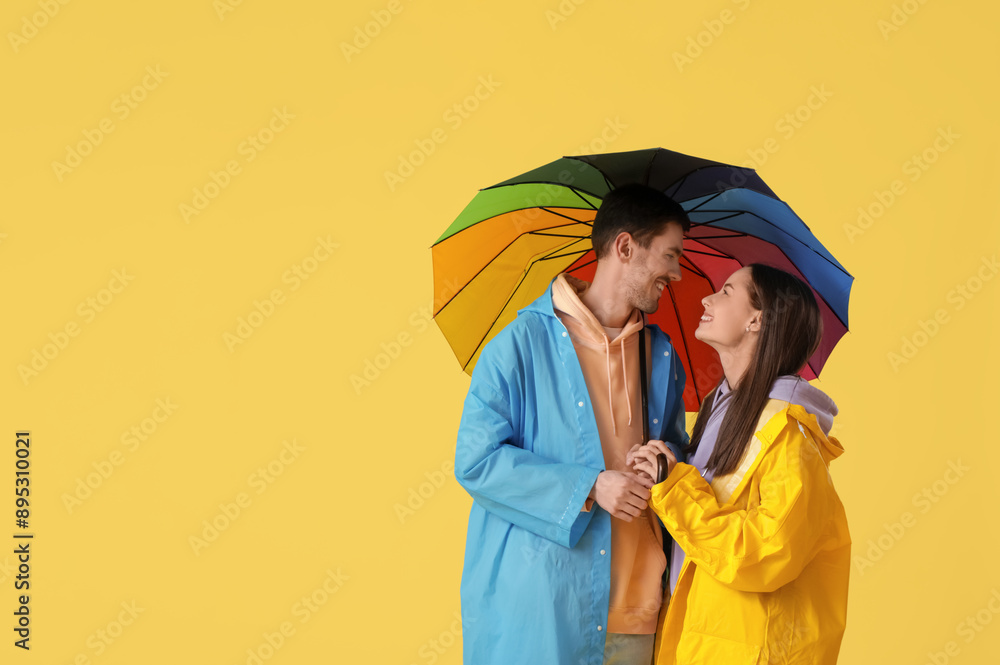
(621, 493)
(625, 495)
(643, 458)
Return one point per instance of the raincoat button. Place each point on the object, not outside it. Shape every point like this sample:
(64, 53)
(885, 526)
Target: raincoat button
(656, 420)
(666, 353)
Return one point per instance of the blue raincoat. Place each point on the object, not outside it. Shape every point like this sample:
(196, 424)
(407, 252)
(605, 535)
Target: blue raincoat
(537, 576)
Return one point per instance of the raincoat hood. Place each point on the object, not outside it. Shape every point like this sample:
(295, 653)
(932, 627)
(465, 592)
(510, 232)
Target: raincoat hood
(786, 388)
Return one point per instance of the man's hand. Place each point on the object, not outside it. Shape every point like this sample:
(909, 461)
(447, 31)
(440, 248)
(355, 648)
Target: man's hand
(643, 458)
(622, 494)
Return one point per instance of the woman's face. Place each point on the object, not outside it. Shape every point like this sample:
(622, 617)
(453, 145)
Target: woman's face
(728, 313)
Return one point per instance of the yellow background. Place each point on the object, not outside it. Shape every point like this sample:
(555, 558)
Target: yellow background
(560, 73)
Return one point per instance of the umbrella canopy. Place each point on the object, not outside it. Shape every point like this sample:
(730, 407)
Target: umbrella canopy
(513, 238)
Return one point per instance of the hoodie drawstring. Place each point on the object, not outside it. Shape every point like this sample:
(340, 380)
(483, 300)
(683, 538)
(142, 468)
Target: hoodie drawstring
(611, 405)
(628, 401)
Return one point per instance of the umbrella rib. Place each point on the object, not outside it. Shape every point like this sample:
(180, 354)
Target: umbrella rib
(500, 253)
(677, 184)
(556, 235)
(708, 200)
(649, 165)
(718, 253)
(543, 258)
(790, 261)
(545, 182)
(581, 267)
(552, 255)
(507, 212)
(719, 219)
(772, 195)
(608, 182)
(788, 258)
(722, 254)
(559, 214)
(582, 198)
(783, 231)
(696, 270)
(559, 256)
(735, 234)
(500, 313)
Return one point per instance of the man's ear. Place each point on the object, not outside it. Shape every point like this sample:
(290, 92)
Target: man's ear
(624, 246)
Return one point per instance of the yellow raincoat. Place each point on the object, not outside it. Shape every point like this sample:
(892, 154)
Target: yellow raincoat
(767, 552)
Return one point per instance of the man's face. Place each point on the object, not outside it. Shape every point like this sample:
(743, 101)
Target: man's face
(649, 271)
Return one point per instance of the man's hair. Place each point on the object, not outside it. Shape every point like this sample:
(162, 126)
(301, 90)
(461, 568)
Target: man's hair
(639, 210)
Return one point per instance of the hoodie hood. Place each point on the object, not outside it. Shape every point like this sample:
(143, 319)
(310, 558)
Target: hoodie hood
(796, 390)
(566, 297)
(588, 331)
(787, 388)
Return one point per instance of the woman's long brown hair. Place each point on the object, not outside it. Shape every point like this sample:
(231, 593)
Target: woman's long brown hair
(790, 331)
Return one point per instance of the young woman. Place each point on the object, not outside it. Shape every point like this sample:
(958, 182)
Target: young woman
(762, 550)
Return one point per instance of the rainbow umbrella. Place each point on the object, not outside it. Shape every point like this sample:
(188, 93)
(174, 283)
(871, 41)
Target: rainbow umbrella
(513, 238)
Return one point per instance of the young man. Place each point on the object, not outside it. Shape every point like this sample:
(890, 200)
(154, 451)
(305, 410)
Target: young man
(563, 562)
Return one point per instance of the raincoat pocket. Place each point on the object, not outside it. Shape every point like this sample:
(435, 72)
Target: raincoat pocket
(702, 648)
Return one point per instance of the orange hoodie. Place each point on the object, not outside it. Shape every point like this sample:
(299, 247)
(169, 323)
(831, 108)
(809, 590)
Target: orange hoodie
(609, 358)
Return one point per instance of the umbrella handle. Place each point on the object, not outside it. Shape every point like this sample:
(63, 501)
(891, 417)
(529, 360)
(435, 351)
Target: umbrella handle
(661, 468)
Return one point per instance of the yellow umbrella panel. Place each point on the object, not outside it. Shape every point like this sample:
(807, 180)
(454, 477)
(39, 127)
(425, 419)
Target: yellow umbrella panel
(484, 274)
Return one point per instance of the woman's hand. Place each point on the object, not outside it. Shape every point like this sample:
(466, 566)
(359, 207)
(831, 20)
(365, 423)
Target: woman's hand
(643, 458)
